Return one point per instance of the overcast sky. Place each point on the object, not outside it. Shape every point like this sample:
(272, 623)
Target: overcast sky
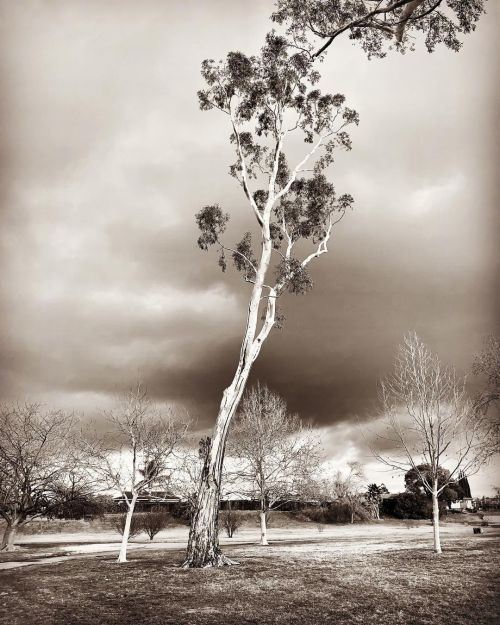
(106, 158)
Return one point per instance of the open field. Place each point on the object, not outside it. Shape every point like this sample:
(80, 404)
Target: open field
(61, 538)
(364, 574)
(79, 538)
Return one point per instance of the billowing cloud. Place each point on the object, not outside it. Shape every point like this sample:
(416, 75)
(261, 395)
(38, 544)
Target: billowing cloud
(106, 159)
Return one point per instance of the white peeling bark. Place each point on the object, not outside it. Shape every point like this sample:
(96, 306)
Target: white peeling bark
(122, 556)
(435, 517)
(406, 15)
(263, 528)
(203, 545)
(8, 536)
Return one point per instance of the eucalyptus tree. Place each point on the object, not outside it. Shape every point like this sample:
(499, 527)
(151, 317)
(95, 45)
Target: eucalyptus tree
(377, 25)
(260, 95)
(268, 99)
(431, 426)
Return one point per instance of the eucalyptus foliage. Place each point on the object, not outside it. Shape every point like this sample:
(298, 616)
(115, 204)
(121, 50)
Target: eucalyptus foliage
(378, 25)
(269, 98)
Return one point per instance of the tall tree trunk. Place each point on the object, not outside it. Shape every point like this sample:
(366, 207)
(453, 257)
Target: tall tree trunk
(435, 517)
(8, 536)
(122, 556)
(203, 546)
(263, 526)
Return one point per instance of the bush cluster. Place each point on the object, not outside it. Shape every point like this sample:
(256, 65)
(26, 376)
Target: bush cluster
(410, 506)
(150, 523)
(336, 512)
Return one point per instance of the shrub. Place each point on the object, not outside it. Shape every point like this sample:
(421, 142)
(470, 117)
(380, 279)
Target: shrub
(230, 522)
(334, 512)
(410, 506)
(84, 506)
(154, 522)
(118, 523)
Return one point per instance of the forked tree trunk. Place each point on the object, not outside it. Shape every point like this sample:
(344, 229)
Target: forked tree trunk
(435, 517)
(122, 556)
(8, 536)
(263, 528)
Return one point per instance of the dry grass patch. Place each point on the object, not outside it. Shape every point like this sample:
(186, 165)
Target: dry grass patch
(270, 587)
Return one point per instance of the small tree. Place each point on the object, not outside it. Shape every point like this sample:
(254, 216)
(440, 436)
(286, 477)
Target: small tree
(122, 524)
(154, 522)
(430, 421)
(347, 488)
(374, 497)
(76, 499)
(36, 459)
(139, 453)
(276, 454)
(230, 521)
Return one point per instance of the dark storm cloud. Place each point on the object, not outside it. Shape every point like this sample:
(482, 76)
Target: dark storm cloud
(106, 159)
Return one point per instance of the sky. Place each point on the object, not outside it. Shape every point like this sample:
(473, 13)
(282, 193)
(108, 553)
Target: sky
(106, 157)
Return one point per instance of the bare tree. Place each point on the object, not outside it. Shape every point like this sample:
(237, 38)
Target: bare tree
(487, 366)
(430, 420)
(347, 488)
(36, 459)
(139, 453)
(135, 526)
(154, 522)
(187, 478)
(230, 521)
(276, 454)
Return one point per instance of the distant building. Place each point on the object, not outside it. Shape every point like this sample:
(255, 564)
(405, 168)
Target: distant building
(148, 500)
(466, 502)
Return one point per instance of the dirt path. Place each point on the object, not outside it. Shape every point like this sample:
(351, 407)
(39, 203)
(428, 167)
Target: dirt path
(345, 539)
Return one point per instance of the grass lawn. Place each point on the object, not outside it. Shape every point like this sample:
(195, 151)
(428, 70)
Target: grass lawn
(288, 584)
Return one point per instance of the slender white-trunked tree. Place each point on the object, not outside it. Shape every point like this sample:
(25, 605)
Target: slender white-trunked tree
(268, 99)
(138, 453)
(430, 421)
(275, 456)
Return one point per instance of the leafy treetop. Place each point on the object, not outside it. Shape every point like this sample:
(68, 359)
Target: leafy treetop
(268, 98)
(378, 25)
